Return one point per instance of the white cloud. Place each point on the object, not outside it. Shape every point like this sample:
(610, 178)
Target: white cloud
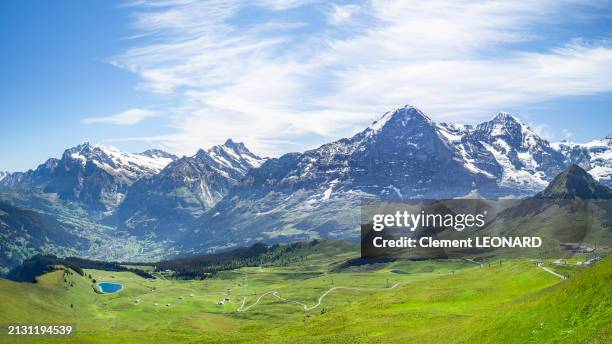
(341, 14)
(542, 130)
(128, 117)
(264, 81)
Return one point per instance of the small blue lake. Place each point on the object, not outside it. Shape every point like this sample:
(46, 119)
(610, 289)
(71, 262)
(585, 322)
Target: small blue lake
(109, 288)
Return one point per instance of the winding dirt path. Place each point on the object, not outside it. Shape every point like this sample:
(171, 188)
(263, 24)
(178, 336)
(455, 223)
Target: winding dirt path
(541, 265)
(276, 294)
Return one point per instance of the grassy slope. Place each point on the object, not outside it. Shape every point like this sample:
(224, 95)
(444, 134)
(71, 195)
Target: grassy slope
(501, 305)
(493, 305)
(435, 310)
(576, 311)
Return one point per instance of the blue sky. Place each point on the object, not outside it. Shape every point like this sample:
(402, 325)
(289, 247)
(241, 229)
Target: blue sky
(290, 75)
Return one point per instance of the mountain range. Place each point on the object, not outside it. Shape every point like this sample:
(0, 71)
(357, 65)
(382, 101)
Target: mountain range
(228, 196)
(403, 155)
(96, 176)
(184, 189)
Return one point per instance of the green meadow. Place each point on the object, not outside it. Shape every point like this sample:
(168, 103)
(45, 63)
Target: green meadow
(512, 301)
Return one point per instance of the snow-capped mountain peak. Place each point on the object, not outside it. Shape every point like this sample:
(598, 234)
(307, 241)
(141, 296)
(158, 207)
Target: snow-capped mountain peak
(503, 116)
(400, 116)
(509, 150)
(503, 125)
(98, 176)
(116, 162)
(235, 155)
(237, 147)
(186, 187)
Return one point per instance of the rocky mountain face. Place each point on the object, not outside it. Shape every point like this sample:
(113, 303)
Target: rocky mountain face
(402, 155)
(506, 150)
(165, 203)
(95, 176)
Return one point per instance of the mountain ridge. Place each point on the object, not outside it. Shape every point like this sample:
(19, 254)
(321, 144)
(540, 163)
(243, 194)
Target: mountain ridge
(226, 195)
(184, 189)
(97, 176)
(404, 154)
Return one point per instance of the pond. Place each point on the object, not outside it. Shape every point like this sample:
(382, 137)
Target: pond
(400, 272)
(109, 288)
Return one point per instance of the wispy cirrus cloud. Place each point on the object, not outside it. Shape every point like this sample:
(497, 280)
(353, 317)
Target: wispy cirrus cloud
(128, 117)
(268, 72)
(343, 13)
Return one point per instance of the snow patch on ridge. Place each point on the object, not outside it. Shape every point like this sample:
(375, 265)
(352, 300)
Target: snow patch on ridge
(512, 176)
(594, 156)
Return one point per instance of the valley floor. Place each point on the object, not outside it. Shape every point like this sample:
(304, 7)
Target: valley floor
(514, 301)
